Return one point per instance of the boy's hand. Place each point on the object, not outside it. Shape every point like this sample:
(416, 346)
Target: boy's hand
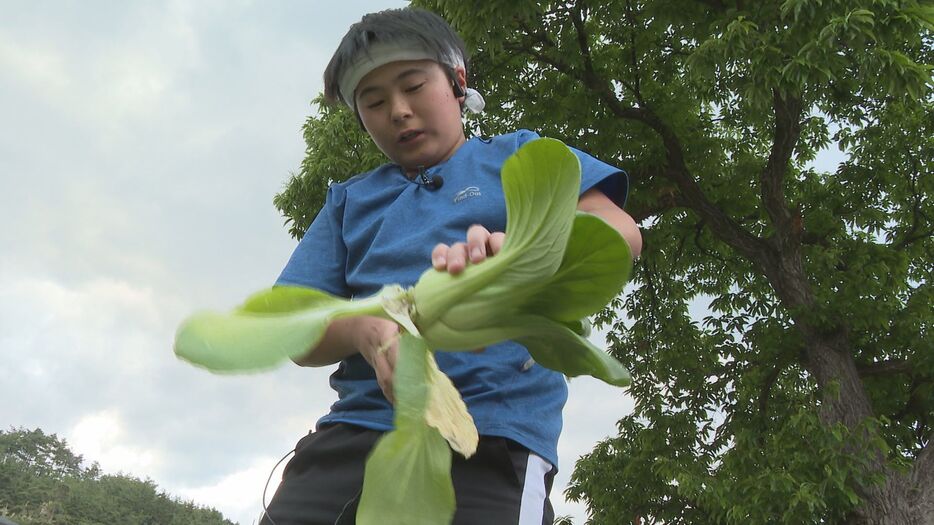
(480, 245)
(377, 340)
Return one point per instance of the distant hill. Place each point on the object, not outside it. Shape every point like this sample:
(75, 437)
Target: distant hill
(42, 482)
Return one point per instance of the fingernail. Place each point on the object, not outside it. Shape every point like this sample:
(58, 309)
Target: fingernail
(440, 262)
(476, 254)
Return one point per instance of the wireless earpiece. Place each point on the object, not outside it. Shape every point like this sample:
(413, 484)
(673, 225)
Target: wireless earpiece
(458, 90)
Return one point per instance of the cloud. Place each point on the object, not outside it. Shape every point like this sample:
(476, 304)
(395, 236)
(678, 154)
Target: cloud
(101, 67)
(70, 350)
(238, 493)
(93, 362)
(101, 436)
(38, 68)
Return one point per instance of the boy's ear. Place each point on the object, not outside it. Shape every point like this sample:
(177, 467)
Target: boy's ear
(459, 83)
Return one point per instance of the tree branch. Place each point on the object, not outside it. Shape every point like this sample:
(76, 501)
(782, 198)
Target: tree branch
(714, 4)
(905, 242)
(636, 87)
(647, 210)
(766, 389)
(788, 111)
(723, 226)
(676, 170)
(540, 56)
(590, 76)
(883, 368)
(912, 235)
(915, 405)
(540, 35)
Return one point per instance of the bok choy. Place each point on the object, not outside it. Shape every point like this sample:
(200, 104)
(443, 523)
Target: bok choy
(557, 267)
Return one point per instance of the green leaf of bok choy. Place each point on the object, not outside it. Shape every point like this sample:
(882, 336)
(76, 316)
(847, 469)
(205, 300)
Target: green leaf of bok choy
(272, 326)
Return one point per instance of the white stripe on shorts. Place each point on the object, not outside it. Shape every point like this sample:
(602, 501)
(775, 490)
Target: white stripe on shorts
(532, 508)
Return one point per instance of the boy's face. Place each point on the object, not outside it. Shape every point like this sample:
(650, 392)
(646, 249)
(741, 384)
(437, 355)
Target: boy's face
(409, 109)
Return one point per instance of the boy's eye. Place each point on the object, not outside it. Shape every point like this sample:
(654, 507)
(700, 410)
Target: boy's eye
(373, 105)
(414, 88)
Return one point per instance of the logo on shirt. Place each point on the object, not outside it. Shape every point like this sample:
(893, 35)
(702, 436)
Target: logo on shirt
(467, 193)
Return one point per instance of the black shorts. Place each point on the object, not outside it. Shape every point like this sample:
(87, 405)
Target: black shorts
(503, 483)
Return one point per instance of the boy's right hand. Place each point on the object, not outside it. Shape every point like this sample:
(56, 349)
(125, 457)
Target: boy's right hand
(377, 340)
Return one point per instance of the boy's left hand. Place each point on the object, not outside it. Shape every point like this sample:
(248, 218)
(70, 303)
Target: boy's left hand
(481, 243)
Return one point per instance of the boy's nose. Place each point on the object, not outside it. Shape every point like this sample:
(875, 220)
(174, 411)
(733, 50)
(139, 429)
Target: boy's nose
(400, 109)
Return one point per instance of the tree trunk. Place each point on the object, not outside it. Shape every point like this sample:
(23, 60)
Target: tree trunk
(896, 500)
(844, 400)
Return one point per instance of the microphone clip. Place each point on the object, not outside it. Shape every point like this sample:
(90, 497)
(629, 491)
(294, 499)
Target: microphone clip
(433, 183)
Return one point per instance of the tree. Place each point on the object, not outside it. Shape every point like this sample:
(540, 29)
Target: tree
(42, 482)
(805, 391)
(44, 455)
(336, 148)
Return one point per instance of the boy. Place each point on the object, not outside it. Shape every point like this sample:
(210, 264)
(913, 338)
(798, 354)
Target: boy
(438, 203)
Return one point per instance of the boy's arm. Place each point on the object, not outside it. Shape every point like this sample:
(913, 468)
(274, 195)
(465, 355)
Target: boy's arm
(374, 338)
(595, 202)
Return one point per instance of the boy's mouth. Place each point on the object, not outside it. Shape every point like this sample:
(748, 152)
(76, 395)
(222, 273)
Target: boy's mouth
(407, 136)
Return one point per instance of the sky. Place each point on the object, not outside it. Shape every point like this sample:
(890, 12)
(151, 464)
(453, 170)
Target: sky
(141, 144)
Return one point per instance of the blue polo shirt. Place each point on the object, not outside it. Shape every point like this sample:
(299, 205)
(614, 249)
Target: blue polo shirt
(379, 227)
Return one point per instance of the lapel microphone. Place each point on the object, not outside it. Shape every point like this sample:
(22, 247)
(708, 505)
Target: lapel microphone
(432, 183)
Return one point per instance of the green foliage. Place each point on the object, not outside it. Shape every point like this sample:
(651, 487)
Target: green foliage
(42, 482)
(40, 454)
(803, 392)
(336, 147)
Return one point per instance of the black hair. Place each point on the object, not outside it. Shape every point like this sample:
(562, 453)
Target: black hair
(392, 25)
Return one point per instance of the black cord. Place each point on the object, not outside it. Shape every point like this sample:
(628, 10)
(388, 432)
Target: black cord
(266, 510)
